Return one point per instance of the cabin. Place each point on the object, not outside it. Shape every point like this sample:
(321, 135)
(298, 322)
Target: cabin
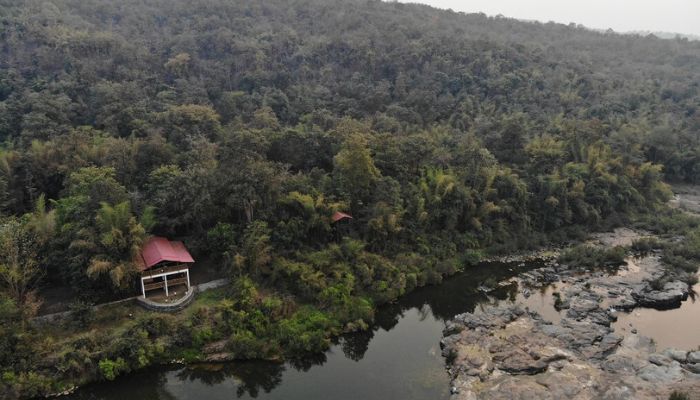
(166, 264)
(340, 221)
(340, 216)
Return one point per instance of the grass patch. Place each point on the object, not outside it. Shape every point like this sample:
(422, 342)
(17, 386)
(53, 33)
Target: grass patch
(587, 256)
(667, 222)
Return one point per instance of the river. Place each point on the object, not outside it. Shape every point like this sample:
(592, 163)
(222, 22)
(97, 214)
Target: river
(399, 358)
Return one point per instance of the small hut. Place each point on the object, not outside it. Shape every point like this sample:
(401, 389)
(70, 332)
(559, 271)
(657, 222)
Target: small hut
(340, 222)
(340, 216)
(165, 264)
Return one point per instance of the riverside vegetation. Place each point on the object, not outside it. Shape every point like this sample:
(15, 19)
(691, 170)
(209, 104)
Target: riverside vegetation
(241, 126)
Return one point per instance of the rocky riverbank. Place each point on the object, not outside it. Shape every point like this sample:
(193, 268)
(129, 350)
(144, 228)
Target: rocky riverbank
(566, 347)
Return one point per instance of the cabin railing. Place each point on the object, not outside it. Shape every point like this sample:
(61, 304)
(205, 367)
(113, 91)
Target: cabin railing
(163, 270)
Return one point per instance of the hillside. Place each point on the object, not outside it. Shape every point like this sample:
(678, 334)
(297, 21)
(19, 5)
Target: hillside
(240, 127)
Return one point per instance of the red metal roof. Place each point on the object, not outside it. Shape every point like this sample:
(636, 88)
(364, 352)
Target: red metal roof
(340, 215)
(158, 249)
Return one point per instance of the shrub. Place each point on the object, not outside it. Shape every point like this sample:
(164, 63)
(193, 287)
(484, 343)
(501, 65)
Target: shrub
(669, 221)
(678, 262)
(245, 345)
(220, 238)
(646, 244)
(202, 336)
(678, 396)
(111, 369)
(81, 313)
(33, 384)
(471, 257)
(587, 256)
(156, 324)
(201, 316)
(8, 377)
(450, 357)
(558, 303)
(305, 332)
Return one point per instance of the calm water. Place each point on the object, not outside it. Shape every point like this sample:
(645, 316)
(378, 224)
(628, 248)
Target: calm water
(398, 359)
(678, 328)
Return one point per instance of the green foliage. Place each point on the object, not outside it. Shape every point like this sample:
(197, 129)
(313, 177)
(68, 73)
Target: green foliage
(254, 254)
(668, 221)
(82, 313)
(354, 169)
(121, 237)
(245, 345)
(587, 256)
(683, 256)
(19, 268)
(110, 369)
(304, 219)
(245, 145)
(221, 238)
(306, 331)
(646, 244)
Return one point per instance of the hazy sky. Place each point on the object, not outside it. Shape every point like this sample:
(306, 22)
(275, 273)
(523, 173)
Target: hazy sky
(680, 16)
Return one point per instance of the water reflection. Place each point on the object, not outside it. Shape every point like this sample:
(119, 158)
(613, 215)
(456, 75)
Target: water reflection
(252, 377)
(355, 346)
(399, 357)
(677, 328)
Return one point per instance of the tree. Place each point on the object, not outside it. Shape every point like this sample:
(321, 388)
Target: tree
(19, 268)
(189, 122)
(354, 169)
(92, 186)
(120, 239)
(42, 222)
(254, 255)
(304, 219)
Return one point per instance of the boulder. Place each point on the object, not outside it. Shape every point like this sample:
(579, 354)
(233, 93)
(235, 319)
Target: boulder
(675, 354)
(694, 357)
(670, 296)
(661, 374)
(519, 363)
(659, 359)
(694, 368)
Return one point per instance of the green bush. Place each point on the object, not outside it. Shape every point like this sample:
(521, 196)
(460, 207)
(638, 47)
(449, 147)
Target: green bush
(202, 336)
(9, 377)
(81, 313)
(471, 257)
(220, 238)
(668, 221)
(110, 369)
(33, 384)
(684, 256)
(587, 256)
(307, 331)
(156, 324)
(245, 345)
(646, 244)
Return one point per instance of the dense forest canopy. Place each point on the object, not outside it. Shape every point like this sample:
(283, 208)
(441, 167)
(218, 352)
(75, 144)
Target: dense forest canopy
(438, 131)
(242, 126)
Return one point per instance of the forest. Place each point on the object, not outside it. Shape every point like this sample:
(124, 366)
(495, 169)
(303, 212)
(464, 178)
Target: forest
(241, 126)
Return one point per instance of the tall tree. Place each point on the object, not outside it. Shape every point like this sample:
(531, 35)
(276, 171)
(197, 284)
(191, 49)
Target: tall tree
(120, 239)
(354, 169)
